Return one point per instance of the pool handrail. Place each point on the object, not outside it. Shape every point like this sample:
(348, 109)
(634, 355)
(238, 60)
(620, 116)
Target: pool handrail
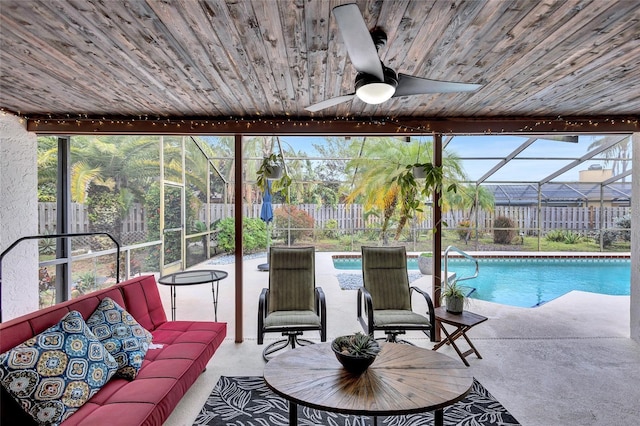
(466, 256)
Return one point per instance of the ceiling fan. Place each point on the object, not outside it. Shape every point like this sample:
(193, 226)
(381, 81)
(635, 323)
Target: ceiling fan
(376, 83)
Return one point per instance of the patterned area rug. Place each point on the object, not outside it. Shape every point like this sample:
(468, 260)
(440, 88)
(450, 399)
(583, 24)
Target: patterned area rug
(247, 401)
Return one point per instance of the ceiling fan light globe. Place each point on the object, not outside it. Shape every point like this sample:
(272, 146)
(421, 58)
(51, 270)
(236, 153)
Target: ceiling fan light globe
(375, 93)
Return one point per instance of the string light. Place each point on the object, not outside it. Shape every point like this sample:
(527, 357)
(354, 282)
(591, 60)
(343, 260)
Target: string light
(389, 124)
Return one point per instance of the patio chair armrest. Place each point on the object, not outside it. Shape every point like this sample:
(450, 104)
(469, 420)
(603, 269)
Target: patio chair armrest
(363, 294)
(321, 311)
(431, 312)
(263, 306)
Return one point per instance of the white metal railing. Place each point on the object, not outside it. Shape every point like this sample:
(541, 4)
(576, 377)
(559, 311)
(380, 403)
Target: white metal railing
(466, 256)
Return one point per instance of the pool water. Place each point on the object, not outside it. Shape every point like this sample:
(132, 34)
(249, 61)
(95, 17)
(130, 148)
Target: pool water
(532, 282)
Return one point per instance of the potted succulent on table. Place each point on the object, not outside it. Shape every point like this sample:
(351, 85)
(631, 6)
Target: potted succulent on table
(356, 352)
(425, 263)
(454, 297)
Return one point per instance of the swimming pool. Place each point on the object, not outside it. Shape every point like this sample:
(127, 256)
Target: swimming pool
(530, 282)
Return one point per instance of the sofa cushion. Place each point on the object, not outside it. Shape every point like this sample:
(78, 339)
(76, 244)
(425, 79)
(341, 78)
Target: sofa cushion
(56, 372)
(121, 334)
(142, 300)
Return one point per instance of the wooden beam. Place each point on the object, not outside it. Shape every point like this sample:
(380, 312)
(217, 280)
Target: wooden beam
(238, 238)
(339, 126)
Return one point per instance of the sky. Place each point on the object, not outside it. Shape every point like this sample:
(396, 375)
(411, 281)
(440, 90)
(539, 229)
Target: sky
(480, 153)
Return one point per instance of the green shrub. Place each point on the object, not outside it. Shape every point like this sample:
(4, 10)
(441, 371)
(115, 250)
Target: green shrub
(506, 234)
(372, 232)
(464, 230)
(557, 235)
(47, 245)
(608, 238)
(571, 237)
(172, 243)
(254, 234)
(563, 236)
(331, 229)
(345, 243)
(298, 221)
(103, 210)
(85, 283)
(624, 222)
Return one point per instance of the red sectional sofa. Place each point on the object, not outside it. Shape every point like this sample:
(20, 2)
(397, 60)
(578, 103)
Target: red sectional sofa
(165, 376)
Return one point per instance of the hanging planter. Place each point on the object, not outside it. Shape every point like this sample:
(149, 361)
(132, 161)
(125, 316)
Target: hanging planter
(272, 169)
(413, 192)
(273, 172)
(419, 172)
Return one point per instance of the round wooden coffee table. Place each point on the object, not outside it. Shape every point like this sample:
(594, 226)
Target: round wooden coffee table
(403, 379)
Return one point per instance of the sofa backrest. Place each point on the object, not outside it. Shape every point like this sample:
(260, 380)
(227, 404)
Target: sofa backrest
(139, 296)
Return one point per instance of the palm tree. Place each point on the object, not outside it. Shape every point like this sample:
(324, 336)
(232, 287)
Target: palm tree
(384, 159)
(470, 198)
(47, 168)
(619, 155)
(116, 162)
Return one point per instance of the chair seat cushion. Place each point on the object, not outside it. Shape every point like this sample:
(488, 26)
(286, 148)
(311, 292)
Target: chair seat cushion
(292, 318)
(394, 317)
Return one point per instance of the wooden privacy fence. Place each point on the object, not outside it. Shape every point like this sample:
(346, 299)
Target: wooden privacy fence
(351, 217)
(135, 221)
(570, 218)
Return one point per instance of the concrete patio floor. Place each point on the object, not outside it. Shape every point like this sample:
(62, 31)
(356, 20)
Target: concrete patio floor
(568, 362)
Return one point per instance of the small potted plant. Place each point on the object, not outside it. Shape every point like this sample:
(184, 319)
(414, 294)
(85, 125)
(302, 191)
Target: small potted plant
(425, 263)
(454, 297)
(272, 168)
(356, 352)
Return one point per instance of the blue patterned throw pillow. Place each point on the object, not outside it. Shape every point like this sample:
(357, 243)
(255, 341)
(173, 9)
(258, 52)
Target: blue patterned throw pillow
(54, 373)
(121, 334)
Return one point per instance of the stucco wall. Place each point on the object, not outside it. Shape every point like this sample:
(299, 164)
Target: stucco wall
(635, 241)
(18, 217)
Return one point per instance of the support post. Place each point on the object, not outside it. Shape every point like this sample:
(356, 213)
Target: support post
(437, 235)
(635, 242)
(63, 220)
(238, 228)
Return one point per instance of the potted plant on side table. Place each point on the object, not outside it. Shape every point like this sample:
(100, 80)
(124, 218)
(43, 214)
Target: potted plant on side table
(454, 297)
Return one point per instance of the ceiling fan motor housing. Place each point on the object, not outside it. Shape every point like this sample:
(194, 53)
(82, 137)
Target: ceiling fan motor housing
(376, 91)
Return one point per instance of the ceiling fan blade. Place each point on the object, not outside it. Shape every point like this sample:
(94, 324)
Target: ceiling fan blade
(329, 103)
(409, 85)
(360, 47)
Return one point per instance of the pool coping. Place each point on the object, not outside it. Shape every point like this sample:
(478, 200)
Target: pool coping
(518, 255)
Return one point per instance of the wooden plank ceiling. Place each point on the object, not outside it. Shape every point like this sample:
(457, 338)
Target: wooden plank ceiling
(259, 59)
